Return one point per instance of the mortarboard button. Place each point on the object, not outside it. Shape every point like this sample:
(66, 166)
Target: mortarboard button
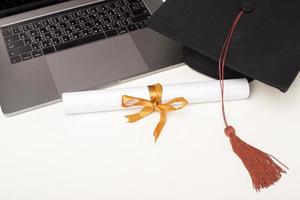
(247, 7)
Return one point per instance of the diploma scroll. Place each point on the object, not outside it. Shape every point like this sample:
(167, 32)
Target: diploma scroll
(197, 92)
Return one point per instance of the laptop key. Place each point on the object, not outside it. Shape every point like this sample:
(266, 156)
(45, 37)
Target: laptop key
(57, 40)
(26, 56)
(76, 14)
(37, 53)
(85, 12)
(39, 38)
(69, 30)
(89, 25)
(77, 35)
(111, 12)
(56, 19)
(58, 33)
(29, 41)
(64, 24)
(131, 27)
(15, 59)
(67, 38)
(141, 25)
(12, 38)
(16, 44)
(127, 22)
(36, 46)
(140, 18)
(37, 25)
(142, 11)
(116, 25)
(117, 17)
(7, 32)
(102, 15)
(95, 10)
(79, 27)
(87, 32)
(127, 15)
(47, 43)
(74, 22)
(48, 35)
(34, 32)
(83, 19)
(111, 33)
(66, 17)
(54, 27)
(48, 50)
(122, 30)
(27, 27)
(47, 22)
(107, 27)
(113, 5)
(24, 35)
(98, 23)
(20, 50)
(96, 30)
(93, 16)
(44, 30)
(107, 20)
(17, 30)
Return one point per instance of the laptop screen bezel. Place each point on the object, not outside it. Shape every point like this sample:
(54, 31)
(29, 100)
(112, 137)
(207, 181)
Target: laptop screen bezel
(27, 7)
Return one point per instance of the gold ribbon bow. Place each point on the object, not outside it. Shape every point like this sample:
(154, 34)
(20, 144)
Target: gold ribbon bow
(155, 104)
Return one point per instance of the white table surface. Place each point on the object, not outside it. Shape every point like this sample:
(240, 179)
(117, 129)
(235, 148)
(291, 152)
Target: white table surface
(45, 154)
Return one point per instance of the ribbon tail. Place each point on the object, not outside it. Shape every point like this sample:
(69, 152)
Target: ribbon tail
(160, 125)
(140, 115)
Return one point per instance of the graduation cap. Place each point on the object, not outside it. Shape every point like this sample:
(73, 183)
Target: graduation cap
(265, 46)
(256, 39)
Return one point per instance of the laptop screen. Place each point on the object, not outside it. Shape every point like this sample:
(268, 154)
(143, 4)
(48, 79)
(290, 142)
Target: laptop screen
(10, 7)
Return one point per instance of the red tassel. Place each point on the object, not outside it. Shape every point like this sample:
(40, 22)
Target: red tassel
(263, 170)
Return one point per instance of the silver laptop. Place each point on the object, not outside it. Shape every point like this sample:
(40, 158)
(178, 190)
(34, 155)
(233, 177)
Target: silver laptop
(48, 47)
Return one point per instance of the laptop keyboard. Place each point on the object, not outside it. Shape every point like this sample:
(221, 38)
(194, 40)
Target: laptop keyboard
(63, 30)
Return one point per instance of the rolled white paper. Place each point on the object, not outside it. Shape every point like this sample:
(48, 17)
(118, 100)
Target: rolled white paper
(197, 92)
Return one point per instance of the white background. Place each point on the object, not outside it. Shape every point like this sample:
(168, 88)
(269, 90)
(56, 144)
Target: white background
(45, 154)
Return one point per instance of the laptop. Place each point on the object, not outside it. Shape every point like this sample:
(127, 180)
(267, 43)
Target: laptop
(48, 47)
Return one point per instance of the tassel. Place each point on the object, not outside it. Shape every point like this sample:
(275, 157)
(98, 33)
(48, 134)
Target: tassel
(263, 170)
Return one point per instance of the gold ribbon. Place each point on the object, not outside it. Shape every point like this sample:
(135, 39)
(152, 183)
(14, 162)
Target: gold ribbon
(155, 104)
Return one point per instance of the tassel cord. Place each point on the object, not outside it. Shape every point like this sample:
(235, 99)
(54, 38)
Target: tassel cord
(222, 61)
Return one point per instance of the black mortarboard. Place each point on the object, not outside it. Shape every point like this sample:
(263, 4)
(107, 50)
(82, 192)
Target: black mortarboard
(265, 45)
(257, 39)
